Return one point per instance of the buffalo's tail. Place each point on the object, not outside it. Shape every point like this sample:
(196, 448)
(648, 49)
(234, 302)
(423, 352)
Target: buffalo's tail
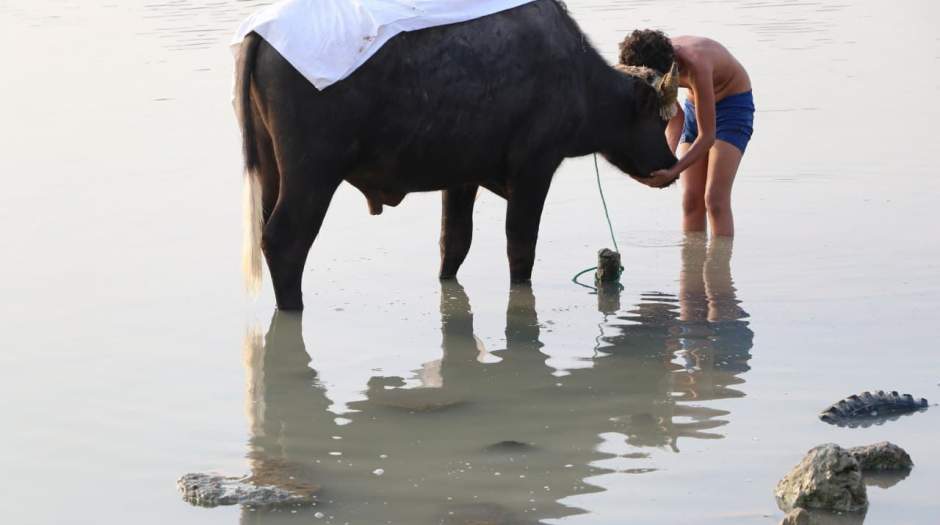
(251, 204)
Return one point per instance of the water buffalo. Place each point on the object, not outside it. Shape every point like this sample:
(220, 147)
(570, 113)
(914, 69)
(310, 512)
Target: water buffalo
(496, 102)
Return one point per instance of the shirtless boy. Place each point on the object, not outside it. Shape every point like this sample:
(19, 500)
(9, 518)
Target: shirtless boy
(711, 132)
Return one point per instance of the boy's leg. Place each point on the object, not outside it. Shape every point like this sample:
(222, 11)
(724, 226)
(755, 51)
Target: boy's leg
(723, 162)
(719, 287)
(692, 302)
(693, 181)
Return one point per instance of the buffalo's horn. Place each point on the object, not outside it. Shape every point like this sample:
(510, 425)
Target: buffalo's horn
(670, 80)
(658, 82)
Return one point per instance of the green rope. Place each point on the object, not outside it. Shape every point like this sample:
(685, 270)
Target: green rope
(600, 189)
(610, 227)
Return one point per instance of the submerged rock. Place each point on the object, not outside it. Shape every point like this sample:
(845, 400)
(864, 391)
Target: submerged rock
(881, 457)
(509, 446)
(608, 297)
(797, 516)
(885, 479)
(416, 400)
(482, 514)
(801, 516)
(209, 490)
(870, 408)
(828, 477)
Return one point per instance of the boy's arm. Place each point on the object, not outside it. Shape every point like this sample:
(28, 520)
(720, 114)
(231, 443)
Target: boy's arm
(674, 128)
(704, 91)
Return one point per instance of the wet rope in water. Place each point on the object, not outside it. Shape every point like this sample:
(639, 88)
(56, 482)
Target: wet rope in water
(579, 274)
(610, 227)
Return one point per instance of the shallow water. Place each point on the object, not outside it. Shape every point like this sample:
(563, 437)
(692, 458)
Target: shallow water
(132, 355)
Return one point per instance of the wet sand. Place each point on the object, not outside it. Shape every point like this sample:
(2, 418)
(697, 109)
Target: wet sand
(132, 355)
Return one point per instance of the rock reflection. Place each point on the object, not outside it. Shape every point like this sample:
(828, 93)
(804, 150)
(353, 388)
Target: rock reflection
(504, 441)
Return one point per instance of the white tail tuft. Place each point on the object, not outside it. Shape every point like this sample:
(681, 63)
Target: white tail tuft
(253, 353)
(251, 235)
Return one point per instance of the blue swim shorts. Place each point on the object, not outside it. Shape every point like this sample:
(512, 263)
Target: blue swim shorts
(734, 117)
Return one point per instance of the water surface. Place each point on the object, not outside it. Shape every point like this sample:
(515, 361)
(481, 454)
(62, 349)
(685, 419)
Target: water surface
(132, 355)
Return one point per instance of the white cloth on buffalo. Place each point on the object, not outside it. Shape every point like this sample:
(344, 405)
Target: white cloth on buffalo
(326, 40)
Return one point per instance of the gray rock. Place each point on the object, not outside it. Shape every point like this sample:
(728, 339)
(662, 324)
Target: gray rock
(797, 516)
(608, 266)
(827, 478)
(208, 490)
(882, 456)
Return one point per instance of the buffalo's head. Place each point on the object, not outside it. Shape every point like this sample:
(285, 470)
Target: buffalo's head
(647, 103)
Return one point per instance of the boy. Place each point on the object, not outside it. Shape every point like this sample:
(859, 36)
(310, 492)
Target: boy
(711, 131)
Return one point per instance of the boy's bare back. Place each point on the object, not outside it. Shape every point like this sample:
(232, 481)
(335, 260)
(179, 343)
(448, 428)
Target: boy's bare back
(728, 75)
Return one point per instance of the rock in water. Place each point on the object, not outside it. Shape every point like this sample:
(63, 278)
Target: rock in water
(881, 457)
(608, 266)
(207, 490)
(828, 478)
(866, 408)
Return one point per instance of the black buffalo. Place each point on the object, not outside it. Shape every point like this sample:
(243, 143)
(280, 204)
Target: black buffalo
(496, 102)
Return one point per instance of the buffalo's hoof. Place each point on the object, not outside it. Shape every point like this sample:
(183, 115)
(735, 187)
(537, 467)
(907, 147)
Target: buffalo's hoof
(291, 305)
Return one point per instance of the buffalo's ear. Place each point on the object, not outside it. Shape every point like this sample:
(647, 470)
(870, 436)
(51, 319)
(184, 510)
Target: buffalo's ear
(645, 98)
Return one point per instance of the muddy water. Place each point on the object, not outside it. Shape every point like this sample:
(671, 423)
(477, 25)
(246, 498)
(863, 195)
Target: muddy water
(131, 355)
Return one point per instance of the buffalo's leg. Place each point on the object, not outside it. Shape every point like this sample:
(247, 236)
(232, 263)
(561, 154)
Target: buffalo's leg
(456, 228)
(306, 189)
(526, 198)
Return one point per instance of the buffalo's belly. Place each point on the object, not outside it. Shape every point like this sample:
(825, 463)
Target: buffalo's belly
(431, 160)
(404, 176)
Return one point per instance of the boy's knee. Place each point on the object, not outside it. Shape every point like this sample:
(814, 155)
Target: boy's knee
(717, 204)
(692, 205)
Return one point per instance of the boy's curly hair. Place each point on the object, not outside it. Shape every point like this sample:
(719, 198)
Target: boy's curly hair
(646, 47)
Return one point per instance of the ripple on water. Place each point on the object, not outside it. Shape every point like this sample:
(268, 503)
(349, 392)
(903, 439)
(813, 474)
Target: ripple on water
(185, 25)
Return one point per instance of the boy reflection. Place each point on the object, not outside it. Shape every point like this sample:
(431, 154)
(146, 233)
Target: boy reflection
(703, 327)
(711, 334)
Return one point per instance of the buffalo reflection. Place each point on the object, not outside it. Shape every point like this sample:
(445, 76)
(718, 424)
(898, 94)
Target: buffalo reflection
(505, 441)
